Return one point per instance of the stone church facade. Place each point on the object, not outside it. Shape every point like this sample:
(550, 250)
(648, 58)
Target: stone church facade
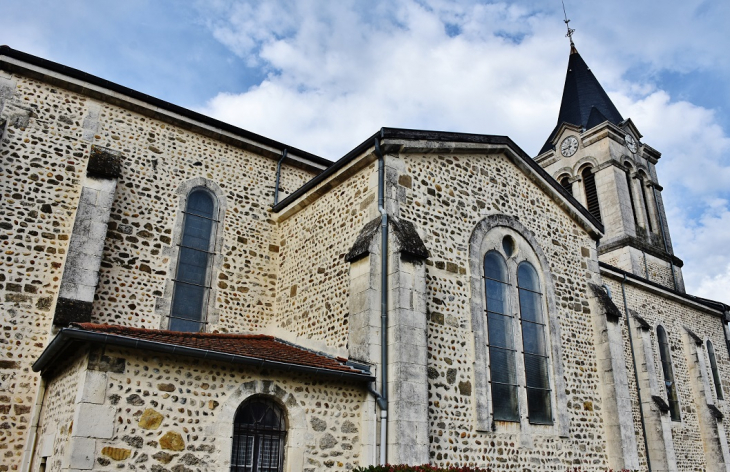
(181, 294)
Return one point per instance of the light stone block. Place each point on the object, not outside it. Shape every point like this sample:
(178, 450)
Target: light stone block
(82, 453)
(94, 421)
(93, 389)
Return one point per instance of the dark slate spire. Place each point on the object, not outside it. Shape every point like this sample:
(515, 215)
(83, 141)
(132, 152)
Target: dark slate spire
(585, 103)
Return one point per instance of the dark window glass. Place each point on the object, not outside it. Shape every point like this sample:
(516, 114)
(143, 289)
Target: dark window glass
(191, 280)
(501, 341)
(589, 182)
(537, 373)
(713, 367)
(259, 431)
(665, 354)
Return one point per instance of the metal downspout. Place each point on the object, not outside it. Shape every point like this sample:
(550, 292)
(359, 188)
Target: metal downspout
(383, 400)
(636, 374)
(664, 237)
(278, 177)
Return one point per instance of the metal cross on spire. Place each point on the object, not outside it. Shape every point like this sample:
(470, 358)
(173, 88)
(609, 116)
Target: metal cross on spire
(570, 30)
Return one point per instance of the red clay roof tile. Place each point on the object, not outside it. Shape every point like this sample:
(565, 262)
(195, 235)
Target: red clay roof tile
(257, 346)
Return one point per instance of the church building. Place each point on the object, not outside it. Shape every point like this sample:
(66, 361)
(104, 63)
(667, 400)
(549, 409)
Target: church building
(179, 294)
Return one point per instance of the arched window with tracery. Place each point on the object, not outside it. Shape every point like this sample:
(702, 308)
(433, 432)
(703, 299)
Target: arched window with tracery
(195, 254)
(502, 369)
(666, 357)
(713, 367)
(534, 345)
(259, 432)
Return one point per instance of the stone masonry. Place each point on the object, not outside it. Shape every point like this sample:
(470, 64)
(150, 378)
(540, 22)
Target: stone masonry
(93, 182)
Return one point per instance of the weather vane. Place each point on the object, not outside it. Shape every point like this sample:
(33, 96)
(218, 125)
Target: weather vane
(567, 25)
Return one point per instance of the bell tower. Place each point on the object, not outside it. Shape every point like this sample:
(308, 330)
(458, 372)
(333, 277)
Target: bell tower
(599, 157)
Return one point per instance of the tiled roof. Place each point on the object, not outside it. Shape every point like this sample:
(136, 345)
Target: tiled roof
(251, 346)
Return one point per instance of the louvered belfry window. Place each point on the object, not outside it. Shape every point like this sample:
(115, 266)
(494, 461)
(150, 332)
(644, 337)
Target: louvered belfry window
(713, 367)
(502, 353)
(259, 431)
(589, 183)
(192, 280)
(627, 172)
(534, 345)
(665, 354)
(566, 184)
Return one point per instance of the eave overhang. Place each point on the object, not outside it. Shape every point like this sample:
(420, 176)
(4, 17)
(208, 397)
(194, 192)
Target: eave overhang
(67, 337)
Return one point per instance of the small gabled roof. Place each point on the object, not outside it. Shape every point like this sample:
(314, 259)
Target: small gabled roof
(252, 349)
(584, 103)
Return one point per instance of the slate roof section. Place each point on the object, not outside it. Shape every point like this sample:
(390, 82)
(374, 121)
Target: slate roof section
(252, 349)
(585, 103)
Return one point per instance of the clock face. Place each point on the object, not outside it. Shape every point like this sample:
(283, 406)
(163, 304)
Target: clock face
(631, 143)
(569, 146)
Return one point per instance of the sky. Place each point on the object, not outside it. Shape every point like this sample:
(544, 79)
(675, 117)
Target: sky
(323, 75)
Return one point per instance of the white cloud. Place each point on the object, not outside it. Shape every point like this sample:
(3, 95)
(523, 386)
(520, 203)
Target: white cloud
(339, 71)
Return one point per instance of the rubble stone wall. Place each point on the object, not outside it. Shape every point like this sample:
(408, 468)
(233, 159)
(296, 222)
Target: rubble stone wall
(446, 196)
(176, 413)
(44, 150)
(56, 420)
(314, 278)
(675, 317)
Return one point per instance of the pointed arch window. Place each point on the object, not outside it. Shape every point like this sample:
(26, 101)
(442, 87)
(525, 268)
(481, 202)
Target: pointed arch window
(534, 345)
(713, 367)
(502, 352)
(589, 184)
(259, 431)
(195, 254)
(665, 354)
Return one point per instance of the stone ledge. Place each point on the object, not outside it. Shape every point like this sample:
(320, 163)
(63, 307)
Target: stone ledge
(104, 163)
(71, 311)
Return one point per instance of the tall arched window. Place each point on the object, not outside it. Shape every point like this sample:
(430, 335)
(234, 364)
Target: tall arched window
(537, 370)
(589, 184)
(192, 279)
(630, 186)
(500, 339)
(665, 354)
(713, 367)
(259, 431)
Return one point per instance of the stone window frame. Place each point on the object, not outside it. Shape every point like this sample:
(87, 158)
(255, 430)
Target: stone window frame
(296, 418)
(660, 371)
(563, 173)
(211, 314)
(579, 193)
(487, 236)
(281, 433)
